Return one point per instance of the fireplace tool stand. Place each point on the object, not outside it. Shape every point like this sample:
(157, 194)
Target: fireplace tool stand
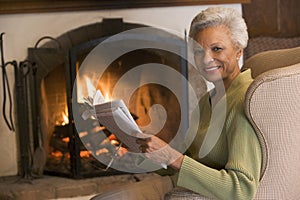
(21, 73)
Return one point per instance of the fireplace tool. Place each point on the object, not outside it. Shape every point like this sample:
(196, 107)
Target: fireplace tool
(6, 89)
(39, 156)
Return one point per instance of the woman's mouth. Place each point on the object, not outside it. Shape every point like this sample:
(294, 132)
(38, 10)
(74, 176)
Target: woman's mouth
(212, 69)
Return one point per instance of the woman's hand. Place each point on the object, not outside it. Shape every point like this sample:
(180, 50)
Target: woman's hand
(158, 150)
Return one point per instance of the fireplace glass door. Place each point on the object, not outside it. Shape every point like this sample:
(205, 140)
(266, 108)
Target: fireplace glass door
(74, 152)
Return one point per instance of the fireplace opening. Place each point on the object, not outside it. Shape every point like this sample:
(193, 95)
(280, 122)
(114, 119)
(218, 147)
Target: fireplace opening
(72, 152)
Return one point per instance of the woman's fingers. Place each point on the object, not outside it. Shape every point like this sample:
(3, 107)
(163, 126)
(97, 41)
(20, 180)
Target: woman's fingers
(150, 144)
(158, 150)
(142, 141)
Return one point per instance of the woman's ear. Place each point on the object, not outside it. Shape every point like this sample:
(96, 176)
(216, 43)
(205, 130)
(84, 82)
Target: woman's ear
(239, 53)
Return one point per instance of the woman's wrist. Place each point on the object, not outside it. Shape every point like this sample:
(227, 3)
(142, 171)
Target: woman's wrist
(177, 163)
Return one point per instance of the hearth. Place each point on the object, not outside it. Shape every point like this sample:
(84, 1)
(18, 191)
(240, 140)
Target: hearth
(73, 152)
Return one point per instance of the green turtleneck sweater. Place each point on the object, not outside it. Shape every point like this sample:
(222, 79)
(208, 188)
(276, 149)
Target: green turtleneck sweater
(231, 168)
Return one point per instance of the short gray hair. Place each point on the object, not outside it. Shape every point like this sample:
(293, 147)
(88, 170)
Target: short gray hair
(229, 17)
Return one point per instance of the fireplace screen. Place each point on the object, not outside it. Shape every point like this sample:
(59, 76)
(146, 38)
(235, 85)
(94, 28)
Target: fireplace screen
(75, 152)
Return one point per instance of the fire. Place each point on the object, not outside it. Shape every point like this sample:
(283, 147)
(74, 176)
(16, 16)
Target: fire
(107, 97)
(86, 88)
(63, 118)
(90, 88)
(105, 88)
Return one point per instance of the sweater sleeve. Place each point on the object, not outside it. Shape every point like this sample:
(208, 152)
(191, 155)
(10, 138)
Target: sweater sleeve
(240, 176)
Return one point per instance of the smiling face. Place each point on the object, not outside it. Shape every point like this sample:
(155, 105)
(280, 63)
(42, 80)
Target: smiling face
(216, 56)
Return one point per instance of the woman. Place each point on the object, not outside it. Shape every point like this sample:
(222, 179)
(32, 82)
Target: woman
(231, 170)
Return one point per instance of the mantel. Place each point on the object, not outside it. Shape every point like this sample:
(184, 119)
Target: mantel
(38, 6)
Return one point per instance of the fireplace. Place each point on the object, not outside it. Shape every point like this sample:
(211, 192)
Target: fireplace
(72, 152)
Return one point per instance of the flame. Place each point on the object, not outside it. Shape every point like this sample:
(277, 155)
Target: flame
(65, 117)
(62, 118)
(85, 87)
(106, 88)
(90, 87)
(107, 97)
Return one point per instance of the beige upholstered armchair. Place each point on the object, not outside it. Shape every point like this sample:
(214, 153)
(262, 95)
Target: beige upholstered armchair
(272, 104)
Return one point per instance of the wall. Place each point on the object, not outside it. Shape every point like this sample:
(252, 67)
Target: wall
(276, 18)
(23, 30)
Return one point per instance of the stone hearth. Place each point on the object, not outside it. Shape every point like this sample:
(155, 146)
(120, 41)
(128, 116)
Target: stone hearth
(49, 187)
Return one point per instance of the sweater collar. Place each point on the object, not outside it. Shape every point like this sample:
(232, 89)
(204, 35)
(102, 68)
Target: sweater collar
(243, 77)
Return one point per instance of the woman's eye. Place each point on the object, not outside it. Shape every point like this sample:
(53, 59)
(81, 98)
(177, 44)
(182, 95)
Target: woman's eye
(198, 52)
(216, 49)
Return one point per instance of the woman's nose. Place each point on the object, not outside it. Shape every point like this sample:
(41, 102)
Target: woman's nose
(207, 57)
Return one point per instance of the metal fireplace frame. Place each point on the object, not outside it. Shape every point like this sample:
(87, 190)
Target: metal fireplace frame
(68, 58)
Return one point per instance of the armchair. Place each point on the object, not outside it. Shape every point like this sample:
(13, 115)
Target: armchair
(273, 108)
(272, 104)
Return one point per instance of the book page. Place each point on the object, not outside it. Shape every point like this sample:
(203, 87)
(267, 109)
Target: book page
(117, 119)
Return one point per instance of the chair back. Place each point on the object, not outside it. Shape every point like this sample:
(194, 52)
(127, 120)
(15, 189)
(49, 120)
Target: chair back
(272, 59)
(272, 104)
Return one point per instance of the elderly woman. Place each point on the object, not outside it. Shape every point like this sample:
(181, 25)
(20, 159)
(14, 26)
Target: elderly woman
(231, 169)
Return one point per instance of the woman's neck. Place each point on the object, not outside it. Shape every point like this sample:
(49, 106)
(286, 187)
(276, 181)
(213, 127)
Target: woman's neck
(222, 86)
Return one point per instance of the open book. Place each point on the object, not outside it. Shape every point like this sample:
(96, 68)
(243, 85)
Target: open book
(115, 116)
